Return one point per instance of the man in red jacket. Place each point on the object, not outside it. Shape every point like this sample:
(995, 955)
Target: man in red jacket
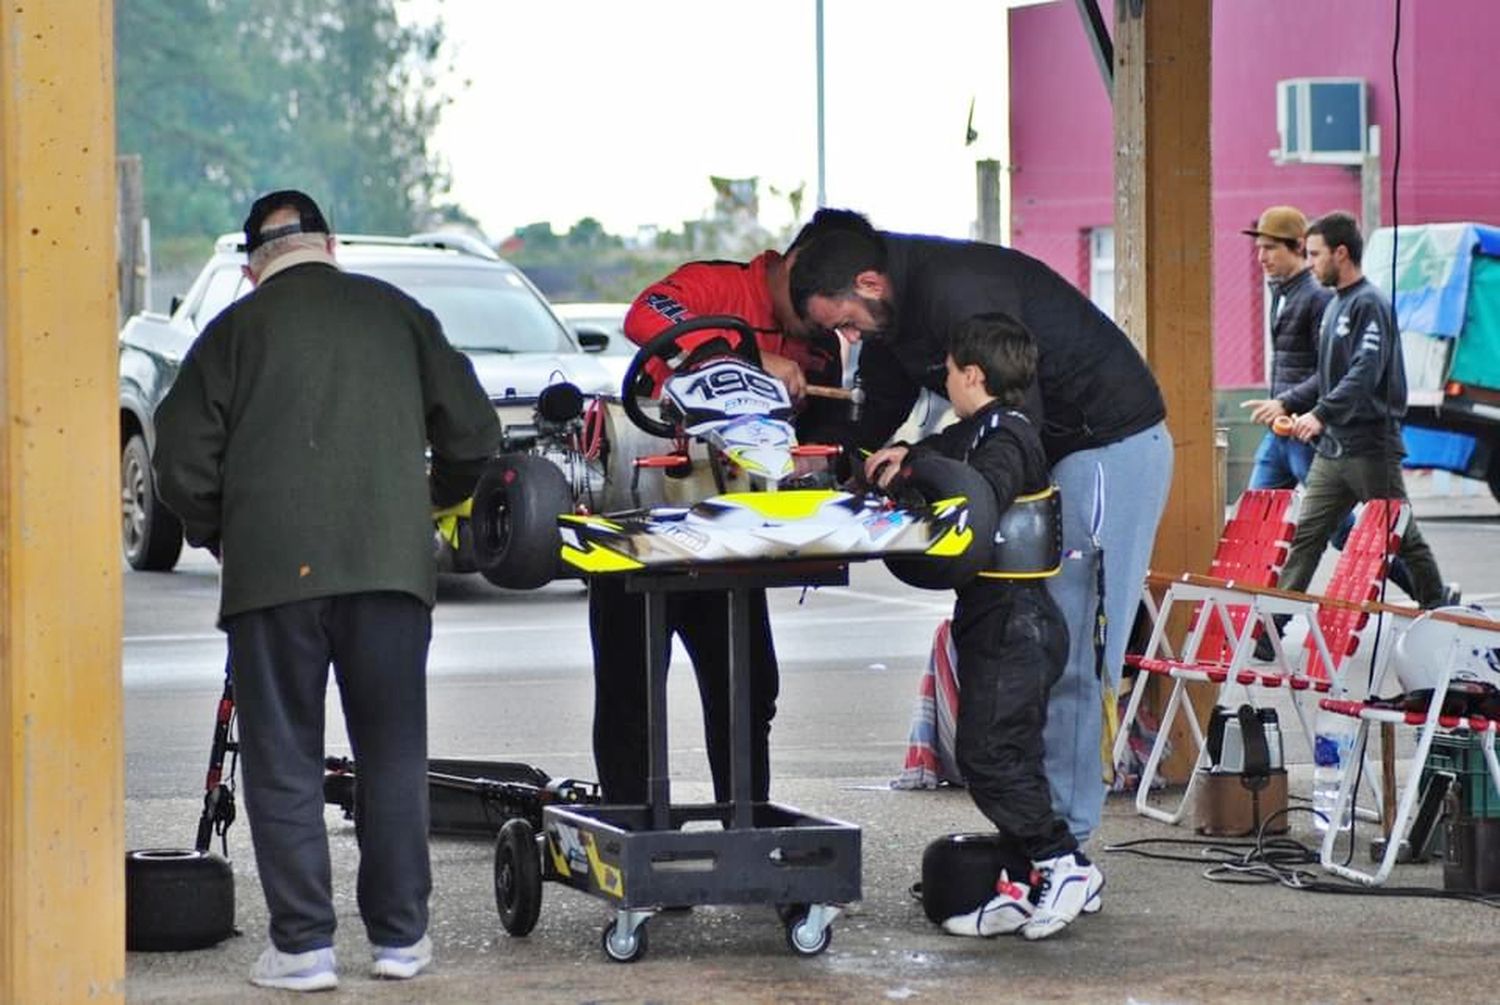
(757, 292)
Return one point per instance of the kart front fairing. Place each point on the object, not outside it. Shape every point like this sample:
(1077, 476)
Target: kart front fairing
(764, 527)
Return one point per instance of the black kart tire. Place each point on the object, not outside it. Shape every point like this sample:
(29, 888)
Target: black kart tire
(518, 877)
(151, 534)
(1492, 476)
(516, 505)
(177, 899)
(933, 477)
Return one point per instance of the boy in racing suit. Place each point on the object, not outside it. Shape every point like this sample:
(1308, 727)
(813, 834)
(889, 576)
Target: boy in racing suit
(756, 292)
(1010, 636)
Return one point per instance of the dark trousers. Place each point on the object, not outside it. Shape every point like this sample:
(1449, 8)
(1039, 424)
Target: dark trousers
(617, 625)
(1012, 644)
(377, 645)
(1334, 486)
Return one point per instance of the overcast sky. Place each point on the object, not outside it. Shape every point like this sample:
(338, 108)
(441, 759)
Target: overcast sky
(621, 110)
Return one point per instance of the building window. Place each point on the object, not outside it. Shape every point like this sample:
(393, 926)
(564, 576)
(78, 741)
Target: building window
(1102, 269)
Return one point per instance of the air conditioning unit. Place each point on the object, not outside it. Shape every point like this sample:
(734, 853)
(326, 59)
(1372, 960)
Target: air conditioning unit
(1322, 120)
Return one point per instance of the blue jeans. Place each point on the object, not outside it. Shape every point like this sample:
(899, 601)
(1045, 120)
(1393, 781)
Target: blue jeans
(1281, 462)
(1137, 476)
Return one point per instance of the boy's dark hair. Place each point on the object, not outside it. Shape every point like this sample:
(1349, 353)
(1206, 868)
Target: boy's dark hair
(835, 247)
(1340, 228)
(1003, 350)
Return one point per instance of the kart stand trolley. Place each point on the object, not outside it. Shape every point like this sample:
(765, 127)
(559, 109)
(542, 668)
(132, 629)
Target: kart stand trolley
(644, 858)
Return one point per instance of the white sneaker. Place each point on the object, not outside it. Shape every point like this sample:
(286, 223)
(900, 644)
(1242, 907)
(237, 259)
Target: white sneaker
(1095, 903)
(1007, 911)
(402, 962)
(1065, 884)
(313, 970)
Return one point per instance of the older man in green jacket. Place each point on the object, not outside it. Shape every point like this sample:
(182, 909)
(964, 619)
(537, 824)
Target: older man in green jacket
(292, 445)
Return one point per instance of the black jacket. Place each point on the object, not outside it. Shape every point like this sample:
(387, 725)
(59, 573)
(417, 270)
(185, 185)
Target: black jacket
(1002, 445)
(1094, 387)
(1298, 303)
(295, 432)
(1359, 391)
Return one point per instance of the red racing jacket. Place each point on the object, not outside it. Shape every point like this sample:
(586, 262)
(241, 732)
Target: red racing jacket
(739, 289)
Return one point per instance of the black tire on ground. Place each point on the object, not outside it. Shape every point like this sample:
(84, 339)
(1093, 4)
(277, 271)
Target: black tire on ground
(177, 899)
(151, 534)
(933, 477)
(518, 877)
(516, 505)
(1493, 475)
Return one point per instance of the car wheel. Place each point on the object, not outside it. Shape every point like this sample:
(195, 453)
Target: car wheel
(932, 478)
(516, 505)
(151, 534)
(1493, 475)
(177, 899)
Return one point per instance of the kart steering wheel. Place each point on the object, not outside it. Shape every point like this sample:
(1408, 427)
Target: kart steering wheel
(663, 346)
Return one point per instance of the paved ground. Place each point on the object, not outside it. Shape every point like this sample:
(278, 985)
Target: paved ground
(1167, 934)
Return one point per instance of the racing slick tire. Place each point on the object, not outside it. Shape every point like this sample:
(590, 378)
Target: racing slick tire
(152, 535)
(177, 899)
(518, 877)
(516, 505)
(927, 478)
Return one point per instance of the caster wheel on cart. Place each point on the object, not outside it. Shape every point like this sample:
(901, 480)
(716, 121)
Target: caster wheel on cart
(802, 938)
(518, 877)
(623, 949)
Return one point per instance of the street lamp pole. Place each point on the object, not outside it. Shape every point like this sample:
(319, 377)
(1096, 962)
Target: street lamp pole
(822, 151)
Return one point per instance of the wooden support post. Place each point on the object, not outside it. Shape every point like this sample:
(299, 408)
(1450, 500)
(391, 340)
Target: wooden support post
(62, 871)
(1164, 257)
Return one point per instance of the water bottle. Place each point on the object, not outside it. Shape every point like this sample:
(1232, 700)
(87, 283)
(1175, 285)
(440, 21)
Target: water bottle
(1333, 747)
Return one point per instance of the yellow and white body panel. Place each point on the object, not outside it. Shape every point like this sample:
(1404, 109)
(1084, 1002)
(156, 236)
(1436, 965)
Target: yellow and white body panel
(764, 526)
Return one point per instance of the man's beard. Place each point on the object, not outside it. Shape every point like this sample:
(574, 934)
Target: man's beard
(882, 314)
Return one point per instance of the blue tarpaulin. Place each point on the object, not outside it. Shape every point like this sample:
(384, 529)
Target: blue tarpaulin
(1432, 272)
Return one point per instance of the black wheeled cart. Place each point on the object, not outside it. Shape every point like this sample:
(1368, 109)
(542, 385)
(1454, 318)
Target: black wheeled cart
(643, 859)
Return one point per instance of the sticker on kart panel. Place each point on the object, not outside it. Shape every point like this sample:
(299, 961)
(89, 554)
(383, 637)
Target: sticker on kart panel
(729, 387)
(574, 852)
(567, 849)
(606, 877)
(681, 536)
(885, 523)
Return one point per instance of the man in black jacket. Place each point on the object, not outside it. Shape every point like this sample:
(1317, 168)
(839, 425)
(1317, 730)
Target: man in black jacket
(1102, 425)
(1354, 404)
(1297, 303)
(292, 445)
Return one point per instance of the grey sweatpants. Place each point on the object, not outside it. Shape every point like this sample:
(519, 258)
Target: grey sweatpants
(1136, 478)
(377, 645)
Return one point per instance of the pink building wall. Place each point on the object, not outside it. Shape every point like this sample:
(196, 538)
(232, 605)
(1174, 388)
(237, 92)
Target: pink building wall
(1062, 133)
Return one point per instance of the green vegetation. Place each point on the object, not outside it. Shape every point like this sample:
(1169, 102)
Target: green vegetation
(225, 100)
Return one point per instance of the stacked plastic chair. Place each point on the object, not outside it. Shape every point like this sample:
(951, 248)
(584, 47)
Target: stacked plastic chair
(1446, 643)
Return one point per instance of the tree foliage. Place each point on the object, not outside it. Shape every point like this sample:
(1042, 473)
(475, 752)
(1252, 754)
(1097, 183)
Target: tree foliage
(226, 100)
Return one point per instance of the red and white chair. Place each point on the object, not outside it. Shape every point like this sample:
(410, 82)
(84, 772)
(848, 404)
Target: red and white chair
(1335, 621)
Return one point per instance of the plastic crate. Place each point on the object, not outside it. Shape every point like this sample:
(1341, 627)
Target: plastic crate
(1462, 755)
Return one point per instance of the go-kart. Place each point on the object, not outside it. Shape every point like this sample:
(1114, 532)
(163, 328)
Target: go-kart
(774, 498)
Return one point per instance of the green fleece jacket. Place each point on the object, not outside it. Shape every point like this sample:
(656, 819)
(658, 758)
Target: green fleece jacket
(293, 438)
